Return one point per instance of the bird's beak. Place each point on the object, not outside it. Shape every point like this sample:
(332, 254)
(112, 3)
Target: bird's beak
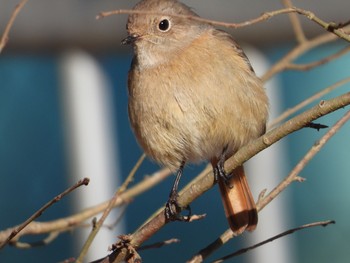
(130, 39)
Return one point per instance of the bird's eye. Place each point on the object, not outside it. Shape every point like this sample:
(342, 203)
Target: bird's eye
(164, 25)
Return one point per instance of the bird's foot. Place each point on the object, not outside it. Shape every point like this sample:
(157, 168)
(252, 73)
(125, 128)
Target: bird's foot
(173, 210)
(220, 174)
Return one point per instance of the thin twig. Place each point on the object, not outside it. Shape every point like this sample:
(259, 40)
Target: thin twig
(107, 211)
(212, 247)
(308, 101)
(288, 232)
(320, 62)
(18, 229)
(294, 19)
(5, 35)
(296, 52)
(265, 16)
(293, 176)
(131, 175)
(261, 18)
(51, 237)
(66, 223)
(160, 244)
(119, 218)
(197, 217)
(329, 26)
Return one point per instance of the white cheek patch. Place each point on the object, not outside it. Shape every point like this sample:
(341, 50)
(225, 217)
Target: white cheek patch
(147, 57)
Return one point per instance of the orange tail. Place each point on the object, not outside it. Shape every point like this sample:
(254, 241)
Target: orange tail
(238, 202)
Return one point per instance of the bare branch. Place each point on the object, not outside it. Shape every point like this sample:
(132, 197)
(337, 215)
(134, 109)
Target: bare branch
(294, 19)
(107, 211)
(5, 35)
(118, 219)
(205, 180)
(308, 101)
(265, 16)
(320, 62)
(300, 166)
(66, 223)
(160, 244)
(263, 201)
(18, 229)
(215, 245)
(51, 237)
(296, 52)
(288, 232)
(197, 217)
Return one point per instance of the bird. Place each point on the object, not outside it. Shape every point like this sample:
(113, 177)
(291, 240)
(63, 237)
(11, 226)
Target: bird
(193, 96)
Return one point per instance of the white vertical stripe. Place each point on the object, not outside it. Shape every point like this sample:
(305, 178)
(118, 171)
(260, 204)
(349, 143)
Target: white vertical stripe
(90, 139)
(265, 171)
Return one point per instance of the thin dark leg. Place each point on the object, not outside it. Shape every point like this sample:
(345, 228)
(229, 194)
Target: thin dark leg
(219, 170)
(172, 208)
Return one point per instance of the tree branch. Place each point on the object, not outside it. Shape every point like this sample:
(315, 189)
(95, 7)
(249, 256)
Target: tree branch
(205, 180)
(320, 62)
(160, 244)
(107, 211)
(265, 16)
(47, 240)
(331, 27)
(37, 214)
(307, 101)
(5, 35)
(294, 19)
(285, 62)
(66, 223)
(263, 201)
(296, 52)
(293, 176)
(288, 232)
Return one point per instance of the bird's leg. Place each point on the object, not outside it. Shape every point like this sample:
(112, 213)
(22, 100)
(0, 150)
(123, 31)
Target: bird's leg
(219, 170)
(172, 207)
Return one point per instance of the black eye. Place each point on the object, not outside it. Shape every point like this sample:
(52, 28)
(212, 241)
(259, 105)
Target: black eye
(164, 25)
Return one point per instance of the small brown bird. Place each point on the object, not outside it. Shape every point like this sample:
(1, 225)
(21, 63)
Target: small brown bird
(193, 96)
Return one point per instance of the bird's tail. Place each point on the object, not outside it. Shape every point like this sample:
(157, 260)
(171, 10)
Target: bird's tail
(238, 202)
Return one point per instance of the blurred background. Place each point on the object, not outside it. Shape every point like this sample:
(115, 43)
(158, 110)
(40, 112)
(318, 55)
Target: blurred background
(63, 116)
